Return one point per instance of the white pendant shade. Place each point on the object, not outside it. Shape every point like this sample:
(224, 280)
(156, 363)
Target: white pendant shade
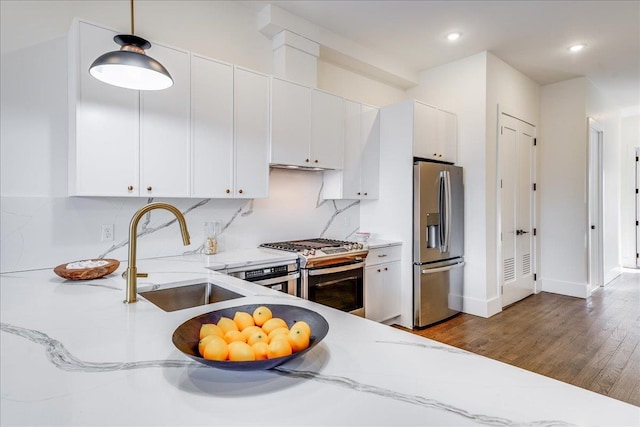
(131, 70)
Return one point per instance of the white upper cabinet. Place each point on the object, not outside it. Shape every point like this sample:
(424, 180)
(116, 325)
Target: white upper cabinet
(434, 133)
(251, 95)
(230, 125)
(359, 178)
(327, 130)
(290, 123)
(164, 129)
(306, 126)
(212, 128)
(123, 143)
(103, 122)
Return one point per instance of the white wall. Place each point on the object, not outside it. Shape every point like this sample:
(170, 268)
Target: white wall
(630, 142)
(41, 227)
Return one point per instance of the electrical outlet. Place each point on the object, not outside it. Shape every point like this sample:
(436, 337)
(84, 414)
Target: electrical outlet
(107, 233)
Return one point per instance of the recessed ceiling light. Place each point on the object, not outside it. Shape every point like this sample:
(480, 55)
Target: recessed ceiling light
(453, 36)
(577, 47)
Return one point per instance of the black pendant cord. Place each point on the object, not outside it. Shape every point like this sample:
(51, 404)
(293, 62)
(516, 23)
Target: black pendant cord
(132, 27)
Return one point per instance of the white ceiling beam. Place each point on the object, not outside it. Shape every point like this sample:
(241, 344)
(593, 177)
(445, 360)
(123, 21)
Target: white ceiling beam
(336, 49)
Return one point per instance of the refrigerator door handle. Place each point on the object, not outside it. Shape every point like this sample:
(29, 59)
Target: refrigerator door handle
(439, 269)
(445, 211)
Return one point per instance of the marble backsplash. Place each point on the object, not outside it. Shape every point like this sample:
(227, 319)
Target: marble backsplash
(42, 232)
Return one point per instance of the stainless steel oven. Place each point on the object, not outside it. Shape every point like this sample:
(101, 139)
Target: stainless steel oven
(340, 286)
(283, 278)
(331, 272)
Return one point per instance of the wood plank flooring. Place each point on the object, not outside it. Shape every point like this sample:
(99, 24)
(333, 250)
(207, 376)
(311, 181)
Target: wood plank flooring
(592, 343)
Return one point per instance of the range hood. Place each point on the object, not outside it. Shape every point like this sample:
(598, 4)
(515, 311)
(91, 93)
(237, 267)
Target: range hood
(296, 167)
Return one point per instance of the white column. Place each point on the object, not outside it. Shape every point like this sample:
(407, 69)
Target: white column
(296, 58)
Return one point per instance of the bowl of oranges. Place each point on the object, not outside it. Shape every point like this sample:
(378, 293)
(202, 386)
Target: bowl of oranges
(250, 337)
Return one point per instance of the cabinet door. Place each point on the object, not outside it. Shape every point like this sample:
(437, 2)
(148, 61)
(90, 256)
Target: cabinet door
(103, 149)
(290, 123)
(352, 171)
(370, 134)
(446, 136)
(164, 129)
(382, 291)
(251, 134)
(391, 290)
(327, 130)
(373, 293)
(211, 128)
(425, 120)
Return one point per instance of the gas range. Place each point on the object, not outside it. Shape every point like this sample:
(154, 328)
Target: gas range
(316, 252)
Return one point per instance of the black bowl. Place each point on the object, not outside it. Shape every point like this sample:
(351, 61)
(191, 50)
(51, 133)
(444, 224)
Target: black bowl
(187, 335)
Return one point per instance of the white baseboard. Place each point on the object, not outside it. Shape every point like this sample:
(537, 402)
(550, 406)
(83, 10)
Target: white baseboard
(482, 308)
(579, 290)
(612, 274)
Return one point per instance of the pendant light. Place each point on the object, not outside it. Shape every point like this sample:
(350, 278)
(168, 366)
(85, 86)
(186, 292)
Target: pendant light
(130, 67)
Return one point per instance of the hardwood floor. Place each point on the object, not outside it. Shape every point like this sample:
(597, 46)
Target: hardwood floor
(592, 343)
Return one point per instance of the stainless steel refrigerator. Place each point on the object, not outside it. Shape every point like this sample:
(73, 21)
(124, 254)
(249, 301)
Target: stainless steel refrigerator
(438, 241)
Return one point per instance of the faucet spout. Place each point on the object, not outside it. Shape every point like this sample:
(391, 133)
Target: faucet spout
(131, 274)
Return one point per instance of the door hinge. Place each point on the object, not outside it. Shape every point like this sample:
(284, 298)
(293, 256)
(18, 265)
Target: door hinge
(637, 255)
(500, 183)
(535, 141)
(501, 128)
(535, 231)
(534, 186)
(535, 277)
(501, 289)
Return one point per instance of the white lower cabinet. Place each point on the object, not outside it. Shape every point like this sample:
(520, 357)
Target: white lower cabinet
(382, 283)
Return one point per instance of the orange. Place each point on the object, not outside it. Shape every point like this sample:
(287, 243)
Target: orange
(248, 331)
(278, 331)
(227, 325)
(273, 323)
(261, 315)
(240, 351)
(279, 348)
(216, 349)
(203, 343)
(243, 320)
(257, 337)
(210, 329)
(260, 350)
(232, 336)
(298, 339)
(302, 324)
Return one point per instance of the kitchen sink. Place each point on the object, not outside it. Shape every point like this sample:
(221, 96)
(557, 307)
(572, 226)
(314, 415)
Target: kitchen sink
(181, 297)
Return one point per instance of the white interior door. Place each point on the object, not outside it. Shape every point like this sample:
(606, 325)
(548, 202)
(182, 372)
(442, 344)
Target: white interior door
(516, 156)
(595, 206)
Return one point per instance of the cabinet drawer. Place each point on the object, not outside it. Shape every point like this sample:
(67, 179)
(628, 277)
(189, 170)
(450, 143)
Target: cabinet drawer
(385, 254)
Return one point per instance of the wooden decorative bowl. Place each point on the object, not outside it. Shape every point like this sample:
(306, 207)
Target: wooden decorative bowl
(87, 273)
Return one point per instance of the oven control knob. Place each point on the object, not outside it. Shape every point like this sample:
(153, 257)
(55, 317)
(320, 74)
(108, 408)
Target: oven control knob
(312, 251)
(305, 252)
(360, 245)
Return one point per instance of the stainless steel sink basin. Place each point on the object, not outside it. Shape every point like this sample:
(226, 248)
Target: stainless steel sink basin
(178, 298)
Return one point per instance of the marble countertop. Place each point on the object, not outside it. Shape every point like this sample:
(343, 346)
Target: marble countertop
(73, 354)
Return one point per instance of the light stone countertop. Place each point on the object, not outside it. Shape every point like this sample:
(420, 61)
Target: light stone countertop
(73, 354)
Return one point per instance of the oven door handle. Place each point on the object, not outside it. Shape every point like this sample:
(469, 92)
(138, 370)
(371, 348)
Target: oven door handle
(275, 280)
(339, 269)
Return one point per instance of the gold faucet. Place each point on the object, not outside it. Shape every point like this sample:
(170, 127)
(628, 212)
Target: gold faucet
(131, 274)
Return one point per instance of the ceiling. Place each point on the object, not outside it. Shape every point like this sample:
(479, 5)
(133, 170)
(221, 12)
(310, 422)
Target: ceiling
(531, 36)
